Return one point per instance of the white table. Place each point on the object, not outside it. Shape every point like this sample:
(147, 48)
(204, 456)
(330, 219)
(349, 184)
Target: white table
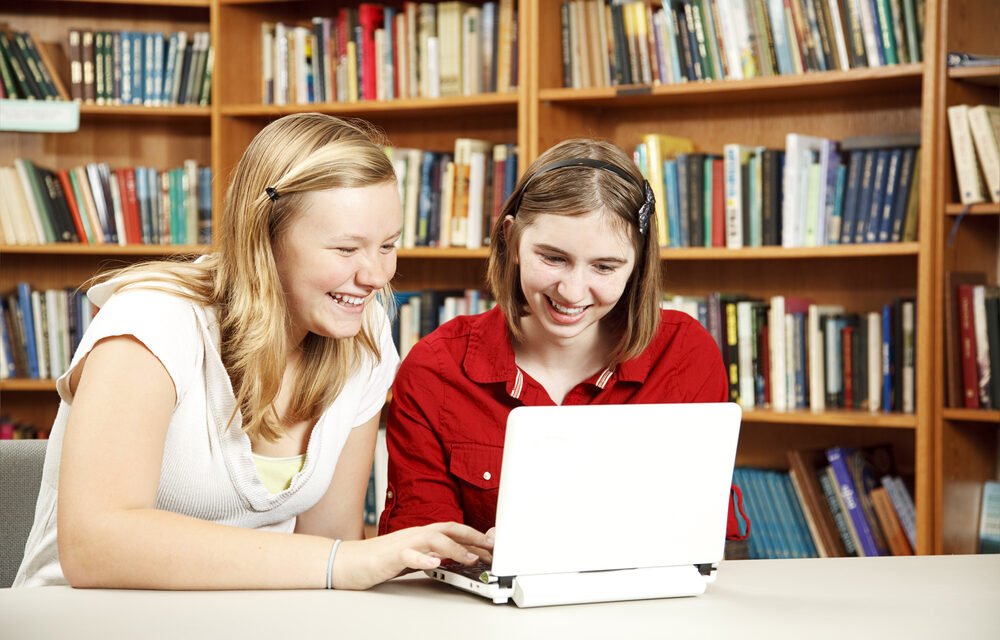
(942, 597)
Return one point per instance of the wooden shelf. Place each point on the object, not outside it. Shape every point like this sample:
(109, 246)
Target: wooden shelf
(796, 253)
(978, 209)
(67, 249)
(840, 418)
(988, 76)
(139, 111)
(770, 89)
(485, 102)
(150, 3)
(21, 384)
(973, 415)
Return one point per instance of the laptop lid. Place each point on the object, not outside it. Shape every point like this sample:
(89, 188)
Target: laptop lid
(599, 487)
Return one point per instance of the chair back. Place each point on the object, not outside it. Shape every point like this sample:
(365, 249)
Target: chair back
(20, 478)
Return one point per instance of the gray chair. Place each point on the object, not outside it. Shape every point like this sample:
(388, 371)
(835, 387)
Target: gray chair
(20, 478)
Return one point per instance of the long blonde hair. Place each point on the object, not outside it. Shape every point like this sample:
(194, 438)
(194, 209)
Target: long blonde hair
(294, 155)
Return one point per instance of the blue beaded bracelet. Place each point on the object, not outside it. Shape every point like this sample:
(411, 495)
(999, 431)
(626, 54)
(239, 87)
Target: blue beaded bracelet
(329, 567)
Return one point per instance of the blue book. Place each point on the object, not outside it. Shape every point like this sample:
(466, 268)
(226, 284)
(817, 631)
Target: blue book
(849, 492)
(852, 191)
(887, 355)
(28, 319)
(673, 204)
(126, 69)
(892, 177)
(424, 200)
(204, 194)
(989, 518)
(902, 199)
(865, 190)
(878, 33)
(872, 215)
(785, 527)
(158, 70)
(169, 70)
(805, 535)
(759, 539)
(837, 215)
(510, 171)
(671, 28)
(138, 63)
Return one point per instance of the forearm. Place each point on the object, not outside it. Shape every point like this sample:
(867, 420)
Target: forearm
(153, 549)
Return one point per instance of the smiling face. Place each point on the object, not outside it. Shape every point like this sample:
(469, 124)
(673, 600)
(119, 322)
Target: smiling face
(335, 255)
(574, 270)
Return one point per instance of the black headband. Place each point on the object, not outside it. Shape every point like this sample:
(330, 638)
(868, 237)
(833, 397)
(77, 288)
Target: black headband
(647, 192)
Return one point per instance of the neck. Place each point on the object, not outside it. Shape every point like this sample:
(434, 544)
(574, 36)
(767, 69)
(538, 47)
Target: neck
(583, 354)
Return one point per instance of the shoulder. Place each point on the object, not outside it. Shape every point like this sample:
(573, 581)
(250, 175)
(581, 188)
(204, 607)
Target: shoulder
(679, 330)
(456, 344)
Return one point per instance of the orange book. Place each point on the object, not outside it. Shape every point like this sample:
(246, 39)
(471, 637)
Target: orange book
(130, 205)
(889, 521)
(73, 207)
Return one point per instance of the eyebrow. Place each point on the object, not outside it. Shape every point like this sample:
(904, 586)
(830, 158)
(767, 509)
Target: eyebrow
(357, 238)
(555, 249)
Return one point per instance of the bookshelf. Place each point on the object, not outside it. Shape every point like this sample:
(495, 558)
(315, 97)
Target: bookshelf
(119, 135)
(965, 440)
(949, 451)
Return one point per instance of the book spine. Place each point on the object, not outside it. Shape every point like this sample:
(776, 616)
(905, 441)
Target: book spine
(837, 458)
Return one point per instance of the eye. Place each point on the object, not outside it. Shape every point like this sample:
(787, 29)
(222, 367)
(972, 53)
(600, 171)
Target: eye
(389, 248)
(605, 268)
(552, 259)
(347, 251)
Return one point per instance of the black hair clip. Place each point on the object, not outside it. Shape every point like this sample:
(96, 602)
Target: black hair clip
(647, 208)
(272, 193)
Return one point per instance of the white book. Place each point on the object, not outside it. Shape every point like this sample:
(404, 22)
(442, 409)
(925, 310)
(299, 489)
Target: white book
(55, 338)
(301, 67)
(12, 193)
(987, 147)
(67, 348)
(39, 320)
(869, 32)
(447, 204)
(839, 38)
(280, 64)
(405, 322)
(776, 345)
(963, 156)
(380, 76)
(380, 467)
(472, 51)
(116, 206)
(402, 65)
(798, 151)
(874, 361)
(817, 353)
(982, 345)
(412, 198)
(433, 70)
(477, 187)
(34, 214)
(734, 156)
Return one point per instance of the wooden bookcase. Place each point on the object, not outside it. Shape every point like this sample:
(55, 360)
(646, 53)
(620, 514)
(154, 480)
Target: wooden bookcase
(948, 452)
(965, 442)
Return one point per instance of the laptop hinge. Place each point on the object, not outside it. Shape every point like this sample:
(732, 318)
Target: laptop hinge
(607, 586)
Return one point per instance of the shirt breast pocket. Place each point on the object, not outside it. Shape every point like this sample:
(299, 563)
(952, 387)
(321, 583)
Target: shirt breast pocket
(477, 467)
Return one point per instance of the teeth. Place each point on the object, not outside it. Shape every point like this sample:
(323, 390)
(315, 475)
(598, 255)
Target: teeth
(570, 311)
(351, 300)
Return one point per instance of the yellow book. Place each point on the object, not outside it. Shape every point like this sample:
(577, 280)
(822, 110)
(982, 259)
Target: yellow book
(659, 147)
(352, 72)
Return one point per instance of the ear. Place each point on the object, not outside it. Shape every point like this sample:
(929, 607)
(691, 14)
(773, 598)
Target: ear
(508, 227)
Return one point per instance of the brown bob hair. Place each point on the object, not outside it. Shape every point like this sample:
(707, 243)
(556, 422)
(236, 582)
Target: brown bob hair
(577, 191)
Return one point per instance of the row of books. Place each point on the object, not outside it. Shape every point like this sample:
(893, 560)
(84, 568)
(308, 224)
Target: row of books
(452, 199)
(146, 68)
(94, 204)
(611, 42)
(788, 353)
(977, 170)
(378, 52)
(14, 430)
(978, 339)
(852, 501)
(420, 312)
(27, 68)
(816, 191)
(41, 330)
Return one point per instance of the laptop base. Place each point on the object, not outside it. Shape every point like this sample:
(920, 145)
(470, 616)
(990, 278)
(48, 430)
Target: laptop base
(607, 586)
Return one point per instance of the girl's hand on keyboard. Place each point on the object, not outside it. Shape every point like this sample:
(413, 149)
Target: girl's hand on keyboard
(360, 564)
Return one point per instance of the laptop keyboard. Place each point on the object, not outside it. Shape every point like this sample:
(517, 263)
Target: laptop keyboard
(479, 571)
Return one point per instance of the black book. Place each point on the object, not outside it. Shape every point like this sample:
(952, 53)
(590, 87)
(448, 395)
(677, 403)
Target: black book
(62, 221)
(22, 76)
(771, 178)
(185, 71)
(564, 32)
(696, 195)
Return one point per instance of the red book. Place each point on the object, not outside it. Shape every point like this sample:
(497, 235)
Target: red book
(130, 205)
(71, 200)
(370, 17)
(848, 360)
(718, 204)
(967, 338)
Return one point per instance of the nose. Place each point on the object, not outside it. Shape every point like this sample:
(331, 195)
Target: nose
(376, 269)
(573, 285)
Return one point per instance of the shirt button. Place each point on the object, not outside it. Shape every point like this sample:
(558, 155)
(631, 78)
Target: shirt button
(388, 495)
(487, 475)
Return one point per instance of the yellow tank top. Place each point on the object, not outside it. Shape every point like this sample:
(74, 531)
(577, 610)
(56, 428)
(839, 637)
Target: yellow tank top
(277, 473)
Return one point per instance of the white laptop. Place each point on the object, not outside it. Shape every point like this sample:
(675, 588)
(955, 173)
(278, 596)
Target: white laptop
(608, 502)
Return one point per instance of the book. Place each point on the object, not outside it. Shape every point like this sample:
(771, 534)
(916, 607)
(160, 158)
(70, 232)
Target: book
(989, 518)
(970, 189)
(855, 478)
(889, 522)
(987, 147)
(804, 468)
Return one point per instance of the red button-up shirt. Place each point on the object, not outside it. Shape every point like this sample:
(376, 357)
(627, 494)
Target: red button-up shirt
(453, 392)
